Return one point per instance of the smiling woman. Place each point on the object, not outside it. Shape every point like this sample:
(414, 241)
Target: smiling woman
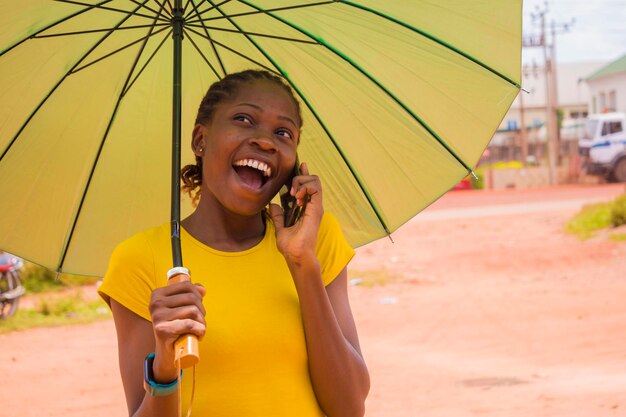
(268, 302)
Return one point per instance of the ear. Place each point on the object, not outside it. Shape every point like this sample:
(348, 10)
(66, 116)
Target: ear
(198, 142)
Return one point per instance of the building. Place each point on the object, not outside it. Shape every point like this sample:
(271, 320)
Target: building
(607, 87)
(573, 98)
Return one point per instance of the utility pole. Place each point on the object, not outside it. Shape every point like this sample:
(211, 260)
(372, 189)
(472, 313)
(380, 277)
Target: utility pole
(549, 57)
(551, 120)
(522, 131)
(554, 95)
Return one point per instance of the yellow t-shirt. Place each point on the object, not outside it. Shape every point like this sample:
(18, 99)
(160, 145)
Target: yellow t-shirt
(253, 358)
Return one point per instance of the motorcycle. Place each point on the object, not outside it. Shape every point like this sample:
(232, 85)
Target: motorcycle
(11, 288)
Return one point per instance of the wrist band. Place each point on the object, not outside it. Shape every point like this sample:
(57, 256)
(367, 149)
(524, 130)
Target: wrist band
(151, 386)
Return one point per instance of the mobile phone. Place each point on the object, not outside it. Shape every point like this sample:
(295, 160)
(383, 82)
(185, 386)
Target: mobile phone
(292, 211)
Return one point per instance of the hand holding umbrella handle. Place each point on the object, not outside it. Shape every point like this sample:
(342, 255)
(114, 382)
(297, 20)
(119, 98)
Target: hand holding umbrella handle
(187, 345)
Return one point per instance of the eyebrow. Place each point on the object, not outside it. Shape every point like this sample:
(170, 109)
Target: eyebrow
(289, 119)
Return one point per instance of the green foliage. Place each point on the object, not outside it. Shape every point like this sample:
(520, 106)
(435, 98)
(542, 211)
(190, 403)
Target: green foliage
(37, 279)
(480, 171)
(56, 312)
(590, 219)
(599, 216)
(504, 165)
(618, 211)
(618, 237)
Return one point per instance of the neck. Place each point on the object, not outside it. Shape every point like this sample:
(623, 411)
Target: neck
(221, 229)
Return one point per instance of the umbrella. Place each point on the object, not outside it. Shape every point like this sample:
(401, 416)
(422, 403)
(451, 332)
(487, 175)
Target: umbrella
(400, 98)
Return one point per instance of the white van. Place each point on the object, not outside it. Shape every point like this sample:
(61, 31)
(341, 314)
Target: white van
(603, 146)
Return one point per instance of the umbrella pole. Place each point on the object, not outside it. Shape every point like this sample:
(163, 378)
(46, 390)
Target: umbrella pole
(187, 353)
(177, 23)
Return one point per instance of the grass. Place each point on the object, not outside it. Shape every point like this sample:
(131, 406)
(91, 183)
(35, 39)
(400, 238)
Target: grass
(589, 220)
(37, 279)
(618, 237)
(373, 277)
(59, 311)
(595, 217)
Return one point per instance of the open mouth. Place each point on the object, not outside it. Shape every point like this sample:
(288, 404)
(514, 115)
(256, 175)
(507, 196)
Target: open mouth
(253, 173)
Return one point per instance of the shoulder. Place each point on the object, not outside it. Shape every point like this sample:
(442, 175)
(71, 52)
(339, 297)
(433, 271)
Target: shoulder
(137, 254)
(131, 277)
(142, 243)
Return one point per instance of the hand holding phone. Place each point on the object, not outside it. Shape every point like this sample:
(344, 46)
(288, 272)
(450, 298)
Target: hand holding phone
(292, 211)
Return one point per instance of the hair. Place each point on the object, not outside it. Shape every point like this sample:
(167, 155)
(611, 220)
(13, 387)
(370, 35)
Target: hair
(218, 92)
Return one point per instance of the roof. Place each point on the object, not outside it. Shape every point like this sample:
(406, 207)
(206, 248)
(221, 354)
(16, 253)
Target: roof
(614, 67)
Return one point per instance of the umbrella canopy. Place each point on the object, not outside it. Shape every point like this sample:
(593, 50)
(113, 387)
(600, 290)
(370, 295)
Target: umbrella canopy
(400, 98)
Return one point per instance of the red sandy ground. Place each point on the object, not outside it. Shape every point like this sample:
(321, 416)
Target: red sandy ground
(487, 309)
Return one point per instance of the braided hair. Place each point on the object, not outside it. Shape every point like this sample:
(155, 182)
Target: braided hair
(222, 90)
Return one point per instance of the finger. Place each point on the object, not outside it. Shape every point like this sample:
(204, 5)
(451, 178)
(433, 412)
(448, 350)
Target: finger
(277, 215)
(179, 288)
(201, 289)
(306, 190)
(177, 300)
(308, 180)
(304, 168)
(191, 312)
(176, 328)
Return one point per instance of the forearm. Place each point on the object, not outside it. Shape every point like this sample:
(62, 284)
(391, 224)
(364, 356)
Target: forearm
(166, 406)
(158, 406)
(338, 373)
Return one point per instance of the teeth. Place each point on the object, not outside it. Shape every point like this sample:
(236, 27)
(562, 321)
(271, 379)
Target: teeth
(252, 163)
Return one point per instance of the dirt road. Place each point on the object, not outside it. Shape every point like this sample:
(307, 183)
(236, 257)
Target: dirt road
(483, 307)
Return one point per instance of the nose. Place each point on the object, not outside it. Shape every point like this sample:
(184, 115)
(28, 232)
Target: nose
(264, 141)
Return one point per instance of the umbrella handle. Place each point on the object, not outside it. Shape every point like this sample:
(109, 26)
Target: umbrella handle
(186, 347)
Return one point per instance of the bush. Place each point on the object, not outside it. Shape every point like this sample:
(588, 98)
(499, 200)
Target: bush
(38, 279)
(591, 218)
(618, 211)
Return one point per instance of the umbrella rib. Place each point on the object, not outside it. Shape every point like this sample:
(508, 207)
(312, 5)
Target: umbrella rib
(156, 13)
(118, 50)
(185, 6)
(202, 54)
(198, 14)
(111, 9)
(263, 35)
(147, 62)
(34, 112)
(104, 138)
(53, 25)
(375, 81)
(236, 52)
(326, 130)
(206, 31)
(432, 38)
(82, 32)
(260, 11)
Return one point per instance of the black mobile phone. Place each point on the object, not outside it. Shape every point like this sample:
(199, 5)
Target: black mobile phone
(292, 211)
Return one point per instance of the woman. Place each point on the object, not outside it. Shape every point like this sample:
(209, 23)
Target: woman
(269, 302)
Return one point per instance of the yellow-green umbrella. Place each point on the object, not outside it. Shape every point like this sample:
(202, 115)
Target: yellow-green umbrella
(400, 97)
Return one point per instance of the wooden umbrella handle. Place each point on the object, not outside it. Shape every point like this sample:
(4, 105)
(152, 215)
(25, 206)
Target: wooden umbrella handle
(186, 346)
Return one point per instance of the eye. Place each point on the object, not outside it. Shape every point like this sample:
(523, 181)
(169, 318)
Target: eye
(243, 118)
(284, 133)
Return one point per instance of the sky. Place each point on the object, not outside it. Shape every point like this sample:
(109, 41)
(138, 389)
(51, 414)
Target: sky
(597, 29)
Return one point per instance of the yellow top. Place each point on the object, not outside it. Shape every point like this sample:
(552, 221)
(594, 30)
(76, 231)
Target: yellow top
(253, 358)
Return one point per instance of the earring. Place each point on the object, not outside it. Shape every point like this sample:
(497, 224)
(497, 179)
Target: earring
(200, 150)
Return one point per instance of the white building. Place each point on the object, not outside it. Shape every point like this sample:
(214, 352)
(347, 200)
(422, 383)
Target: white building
(573, 98)
(607, 88)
